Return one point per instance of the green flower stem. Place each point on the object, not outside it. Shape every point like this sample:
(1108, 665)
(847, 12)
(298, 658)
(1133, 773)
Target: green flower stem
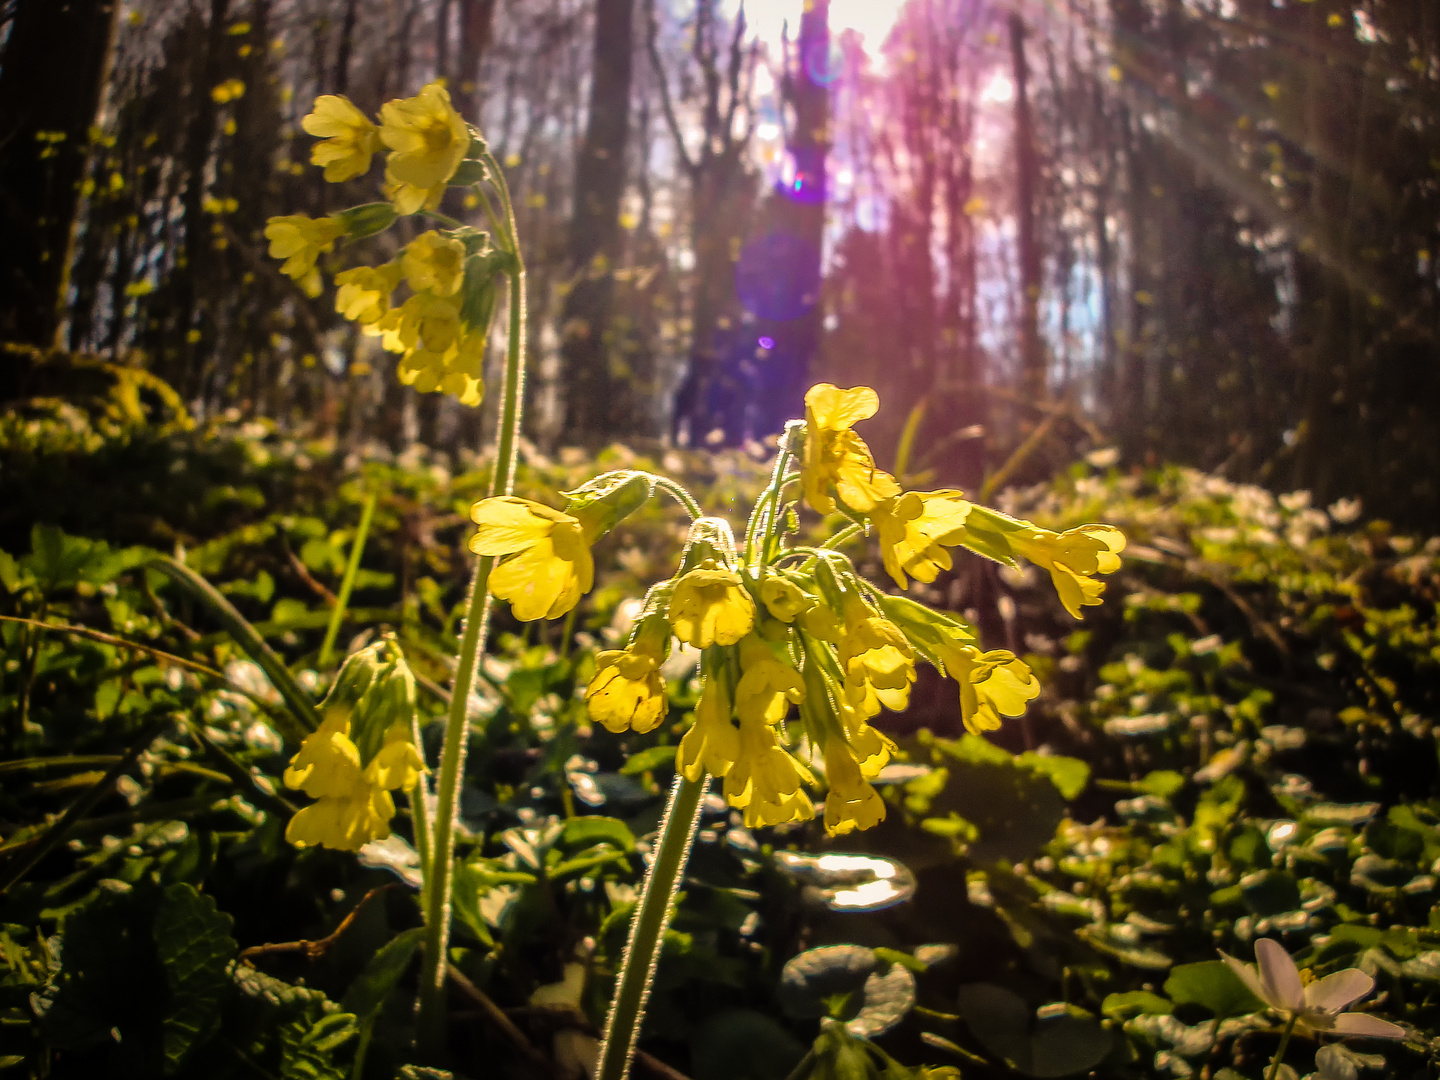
(642, 951)
(1280, 1050)
(842, 536)
(440, 881)
(352, 568)
(763, 515)
(680, 495)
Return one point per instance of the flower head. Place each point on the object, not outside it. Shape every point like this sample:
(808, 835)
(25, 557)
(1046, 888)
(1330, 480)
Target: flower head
(363, 295)
(992, 684)
(545, 564)
(347, 822)
(628, 691)
(915, 528)
(327, 763)
(299, 240)
(851, 802)
(783, 599)
(765, 781)
(1073, 558)
(876, 659)
(1316, 1006)
(397, 764)
(768, 685)
(349, 138)
(836, 456)
(427, 139)
(434, 264)
(712, 744)
(711, 607)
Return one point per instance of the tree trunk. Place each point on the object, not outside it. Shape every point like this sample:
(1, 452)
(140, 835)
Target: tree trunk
(597, 393)
(476, 20)
(54, 69)
(1032, 353)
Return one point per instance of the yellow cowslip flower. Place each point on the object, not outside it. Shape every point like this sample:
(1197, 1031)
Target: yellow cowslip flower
(434, 264)
(767, 686)
(299, 240)
(1073, 558)
(765, 781)
(711, 607)
(992, 684)
(353, 804)
(915, 528)
(427, 139)
(344, 822)
(784, 599)
(363, 295)
(456, 371)
(350, 139)
(712, 744)
(545, 563)
(870, 748)
(876, 659)
(397, 764)
(836, 455)
(327, 763)
(851, 802)
(628, 691)
(819, 621)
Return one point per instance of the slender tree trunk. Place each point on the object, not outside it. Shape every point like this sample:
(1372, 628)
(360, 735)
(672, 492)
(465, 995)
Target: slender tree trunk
(1032, 352)
(598, 393)
(477, 18)
(54, 69)
(342, 52)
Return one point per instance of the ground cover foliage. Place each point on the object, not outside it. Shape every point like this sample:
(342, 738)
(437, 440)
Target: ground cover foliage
(1239, 744)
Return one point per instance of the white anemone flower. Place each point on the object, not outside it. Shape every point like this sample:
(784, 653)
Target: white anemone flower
(1317, 1006)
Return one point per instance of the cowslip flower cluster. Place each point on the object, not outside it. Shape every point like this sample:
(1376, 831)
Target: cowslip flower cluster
(362, 751)
(785, 628)
(440, 328)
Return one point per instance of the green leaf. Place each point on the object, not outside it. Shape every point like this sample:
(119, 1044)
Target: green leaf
(1163, 783)
(385, 969)
(1057, 1040)
(1213, 986)
(1069, 775)
(743, 1044)
(192, 939)
(1135, 1003)
(1270, 892)
(649, 760)
(849, 983)
(594, 829)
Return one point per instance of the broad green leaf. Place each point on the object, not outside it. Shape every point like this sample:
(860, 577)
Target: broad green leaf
(1135, 1003)
(1213, 986)
(655, 757)
(593, 828)
(373, 985)
(192, 939)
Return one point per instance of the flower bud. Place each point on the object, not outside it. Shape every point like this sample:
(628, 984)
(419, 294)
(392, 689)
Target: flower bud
(367, 219)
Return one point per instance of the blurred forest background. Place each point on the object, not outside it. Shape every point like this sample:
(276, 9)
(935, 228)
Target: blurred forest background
(1203, 231)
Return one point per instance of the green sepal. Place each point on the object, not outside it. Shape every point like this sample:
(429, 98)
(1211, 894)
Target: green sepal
(608, 499)
(470, 171)
(368, 219)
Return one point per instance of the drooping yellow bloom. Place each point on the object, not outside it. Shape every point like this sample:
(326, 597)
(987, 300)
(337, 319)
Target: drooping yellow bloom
(545, 564)
(835, 455)
(712, 744)
(876, 659)
(299, 240)
(434, 264)
(457, 370)
(353, 805)
(350, 139)
(628, 691)
(767, 686)
(1073, 558)
(427, 139)
(851, 802)
(870, 748)
(992, 684)
(711, 607)
(363, 295)
(765, 781)
(784, 599)
(915, 529)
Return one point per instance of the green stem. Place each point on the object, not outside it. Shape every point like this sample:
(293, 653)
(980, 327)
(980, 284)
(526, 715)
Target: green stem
(642, 951)
(1280, 1050)
(438, 886)
(680, 495)
(842, 536)
(758, 526)
(352, 568)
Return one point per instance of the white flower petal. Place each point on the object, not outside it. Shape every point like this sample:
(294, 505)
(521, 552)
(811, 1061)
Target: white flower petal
(1367, 1025)
(1334, 1062)
(1247, 975)
(1334, 992)
(1279, 976)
